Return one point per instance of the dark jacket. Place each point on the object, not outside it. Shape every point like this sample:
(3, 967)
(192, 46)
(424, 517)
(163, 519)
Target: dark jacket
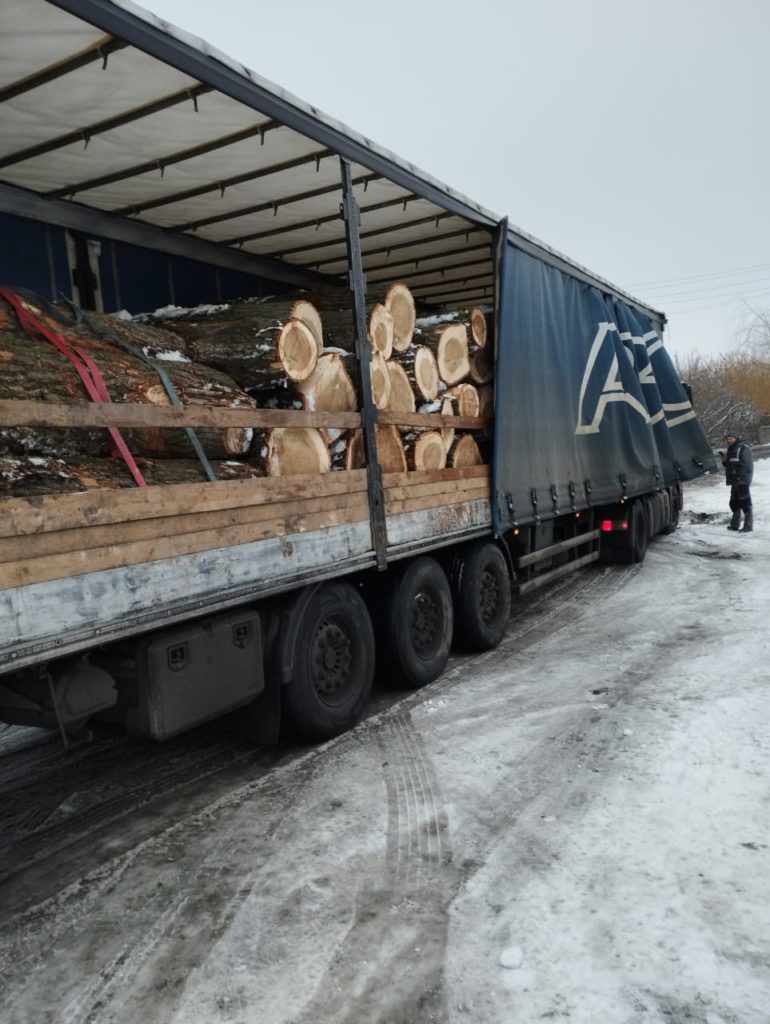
(739, 463)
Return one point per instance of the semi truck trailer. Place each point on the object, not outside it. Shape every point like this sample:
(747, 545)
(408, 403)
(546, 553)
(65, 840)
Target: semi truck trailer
(140, 169)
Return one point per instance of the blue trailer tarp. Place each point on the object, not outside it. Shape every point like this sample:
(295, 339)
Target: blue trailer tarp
(588, 406)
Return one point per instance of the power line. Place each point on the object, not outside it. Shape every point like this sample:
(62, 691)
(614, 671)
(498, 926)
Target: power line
(671, 292)
(699, 277)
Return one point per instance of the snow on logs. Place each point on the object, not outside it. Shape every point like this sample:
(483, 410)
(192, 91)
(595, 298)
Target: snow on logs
(268, 353)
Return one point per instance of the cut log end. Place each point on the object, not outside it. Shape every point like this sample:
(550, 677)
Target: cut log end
(297, 350)
(465, 452)
(425, 450)
(311, 318)
(426, 375)
(401, 393)
(390, 450)
(287, 451)
(452, 355)
(478, 325)
(447, 433)
(381, 331)
(465, 398)
(399, 302)
(378, 369)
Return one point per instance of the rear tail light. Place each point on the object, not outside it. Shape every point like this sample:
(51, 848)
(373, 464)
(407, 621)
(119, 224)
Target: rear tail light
(608, 525)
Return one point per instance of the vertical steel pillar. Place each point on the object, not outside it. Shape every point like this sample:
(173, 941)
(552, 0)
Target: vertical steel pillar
(351, 216)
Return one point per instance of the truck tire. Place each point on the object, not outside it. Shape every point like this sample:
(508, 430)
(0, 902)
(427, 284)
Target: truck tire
(333, 665)
(417, 622)
(481, 589)
(673, 517)
(633, 547)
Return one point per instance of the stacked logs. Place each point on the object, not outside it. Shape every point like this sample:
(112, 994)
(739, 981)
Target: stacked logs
(268, 353)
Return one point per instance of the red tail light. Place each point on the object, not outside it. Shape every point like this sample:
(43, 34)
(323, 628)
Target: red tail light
(606, 526)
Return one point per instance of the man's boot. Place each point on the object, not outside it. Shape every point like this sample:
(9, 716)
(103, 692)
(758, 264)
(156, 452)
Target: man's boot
(748, 521)
(735, 522)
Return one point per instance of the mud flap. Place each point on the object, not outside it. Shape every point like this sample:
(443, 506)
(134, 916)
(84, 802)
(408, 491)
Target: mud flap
(259, 722)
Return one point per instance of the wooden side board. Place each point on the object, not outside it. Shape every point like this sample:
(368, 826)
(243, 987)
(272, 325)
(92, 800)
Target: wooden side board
(57, 537)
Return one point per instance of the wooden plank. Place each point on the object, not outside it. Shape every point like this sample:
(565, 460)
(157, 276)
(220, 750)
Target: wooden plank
(91, 537)
(38, 570)
(428, 476)
(21, 516)
(28, 413)
(432, 420)
(435, 501)
(451, 490)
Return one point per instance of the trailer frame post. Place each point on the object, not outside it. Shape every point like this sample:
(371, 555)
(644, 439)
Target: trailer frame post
(352, 218)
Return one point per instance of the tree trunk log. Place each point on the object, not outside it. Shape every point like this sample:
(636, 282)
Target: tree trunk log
(401, 393)
(424, 449)
(465, 452)
(465, 398)
(330, 389)
(482, 366)
(421, 368)
(399, 302)
(390, 450)
(382, 331)
(286, 451)
(486, 401)
(449, 343)
(32, 368)
(29, 476)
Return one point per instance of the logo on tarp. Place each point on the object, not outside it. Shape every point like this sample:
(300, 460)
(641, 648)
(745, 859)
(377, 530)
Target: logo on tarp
(620, 369)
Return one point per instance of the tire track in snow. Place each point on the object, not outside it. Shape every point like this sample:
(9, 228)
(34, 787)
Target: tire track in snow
(389, 968)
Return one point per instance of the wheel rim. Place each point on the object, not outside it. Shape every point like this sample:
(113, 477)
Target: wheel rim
(426, 623)
(489, 595)
(331, 661)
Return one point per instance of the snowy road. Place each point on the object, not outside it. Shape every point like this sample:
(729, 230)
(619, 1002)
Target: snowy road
(575, 827)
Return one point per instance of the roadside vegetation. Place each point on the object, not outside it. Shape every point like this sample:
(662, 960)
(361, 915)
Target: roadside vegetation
(733, 391)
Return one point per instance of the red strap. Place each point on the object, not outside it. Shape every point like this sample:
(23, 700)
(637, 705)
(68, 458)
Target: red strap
(86, 368)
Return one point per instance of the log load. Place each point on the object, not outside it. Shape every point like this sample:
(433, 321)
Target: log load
(380, 377)
(287, 451)
(381, 330)
(449, 343)
(444, 407)
(477, 326)
(486, 401)
(424, 449)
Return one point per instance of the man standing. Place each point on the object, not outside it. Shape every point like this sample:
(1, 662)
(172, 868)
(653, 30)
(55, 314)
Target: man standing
(739, 470)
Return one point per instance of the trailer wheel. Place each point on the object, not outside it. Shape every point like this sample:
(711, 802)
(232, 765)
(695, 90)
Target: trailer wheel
(418, 621)
(633, 546)
(673, 518)
(481, 588)
(333, 665)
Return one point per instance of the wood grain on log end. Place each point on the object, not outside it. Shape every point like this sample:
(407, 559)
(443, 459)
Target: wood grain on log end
(401, 393)
(465, 452)
(297, 350)
(399, 302)
(381, 330)
(311, 318)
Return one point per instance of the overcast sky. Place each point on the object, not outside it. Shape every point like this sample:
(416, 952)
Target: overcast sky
(632, 137)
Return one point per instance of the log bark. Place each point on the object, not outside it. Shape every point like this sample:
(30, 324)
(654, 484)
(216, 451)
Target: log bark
(33, 368)
(449, 343)
(486, 401)
(390, 450)
(30, 476)
(465, 452)
(401, 392)
(424, 449)
(399, 302)
(286, 451)
(481, 365)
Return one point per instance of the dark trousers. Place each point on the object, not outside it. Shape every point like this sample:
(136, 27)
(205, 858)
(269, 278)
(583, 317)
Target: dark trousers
(740, 501)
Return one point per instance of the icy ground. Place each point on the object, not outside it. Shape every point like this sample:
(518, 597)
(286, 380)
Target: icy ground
(575, 827)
